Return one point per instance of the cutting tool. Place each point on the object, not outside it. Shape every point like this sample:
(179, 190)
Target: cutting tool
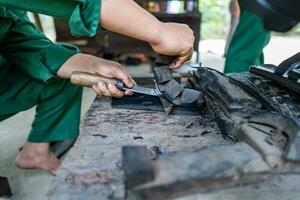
(88, 80)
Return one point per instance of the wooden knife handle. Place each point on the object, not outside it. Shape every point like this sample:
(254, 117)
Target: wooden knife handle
(88, 80)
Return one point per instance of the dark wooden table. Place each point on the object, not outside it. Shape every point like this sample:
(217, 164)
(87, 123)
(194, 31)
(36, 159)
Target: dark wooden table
(92, 168)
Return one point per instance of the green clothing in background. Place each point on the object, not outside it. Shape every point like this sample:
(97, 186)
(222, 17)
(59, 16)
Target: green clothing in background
(246, 47)
(29, 62)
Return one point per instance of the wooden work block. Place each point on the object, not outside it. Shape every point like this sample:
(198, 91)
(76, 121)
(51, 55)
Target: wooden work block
(137, 166)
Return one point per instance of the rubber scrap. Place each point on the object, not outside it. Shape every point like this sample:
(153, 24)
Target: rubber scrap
(162, 74)
(163, 60)
(294, 74)
(190, 97)
(168, 107)
(137, 166)
(181, 173)
(177, 101)
(171, 89)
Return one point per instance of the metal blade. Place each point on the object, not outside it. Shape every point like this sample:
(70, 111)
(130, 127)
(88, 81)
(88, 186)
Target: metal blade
(144, 90)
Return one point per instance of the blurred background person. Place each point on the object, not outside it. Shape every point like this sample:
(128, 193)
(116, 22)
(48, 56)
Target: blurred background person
(245, 46)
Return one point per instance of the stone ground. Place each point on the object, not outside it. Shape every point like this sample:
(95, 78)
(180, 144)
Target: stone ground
(34, 184)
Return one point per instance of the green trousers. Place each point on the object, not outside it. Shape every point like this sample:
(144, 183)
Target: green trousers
(29, 62)
(57, 105)
(28, 65)
(246, 47)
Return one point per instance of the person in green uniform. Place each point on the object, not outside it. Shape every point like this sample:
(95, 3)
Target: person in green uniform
(247, 44)
(34, 70)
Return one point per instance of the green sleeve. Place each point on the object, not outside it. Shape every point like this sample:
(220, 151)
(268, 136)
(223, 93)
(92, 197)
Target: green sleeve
(83, 15)
(25, 48)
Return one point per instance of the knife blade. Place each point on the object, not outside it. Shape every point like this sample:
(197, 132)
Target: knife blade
(88, 80)
(144, 90)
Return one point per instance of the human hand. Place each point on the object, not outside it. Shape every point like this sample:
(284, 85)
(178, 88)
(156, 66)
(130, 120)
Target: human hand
(94, 65)
(175, 40)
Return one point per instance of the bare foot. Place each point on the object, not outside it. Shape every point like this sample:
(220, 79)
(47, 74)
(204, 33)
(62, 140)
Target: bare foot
(37, 156)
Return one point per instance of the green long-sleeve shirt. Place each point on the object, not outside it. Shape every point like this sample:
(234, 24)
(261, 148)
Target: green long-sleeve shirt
(83, 15)
(25, 48)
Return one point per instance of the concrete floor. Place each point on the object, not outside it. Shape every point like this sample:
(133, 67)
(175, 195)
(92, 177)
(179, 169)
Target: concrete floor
(33, 184)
